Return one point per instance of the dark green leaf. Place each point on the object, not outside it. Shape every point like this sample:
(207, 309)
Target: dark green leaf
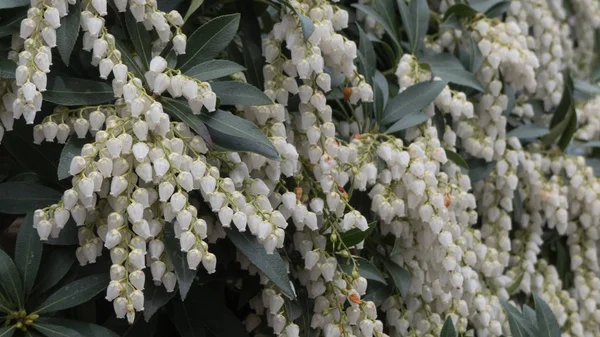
(365, 269)
(155, 297)
(355, 236)
(401, 277)
(131, 62)
(71, 149)
(11, 281)
(7, 68)
(71, 91)
(515, 285)
(51, 330)
(565, 102)
(194, 5)
(380, 20)
(254, 62)
(183, 112)
(68, 236)
(519, 326)
(460, 10)
(378, 293)
(6, 166)
(269, 264)
(20, 197)
(417, 24)
(293, 309)
(54, 269)
(139, 328)
(448, 328)
(83, 328)
(480, 169)
(234, 92)
(7, 331)
(74, 294)
(185, 318)
(13, 3)
(185, 276)
(498, 9)
(449, 68)
(457, 159)
(209, 40)
(213, 69)
(140, 38)
(528, 131)
(382, 94)
(229, 131)
(28, 253)
(368, 52)
(509, 91)
(529, 314)
(483, 6)
(10, 24)
(411, 100)
(67, 33)
(546, 320)
(570, 130)
(408, 121)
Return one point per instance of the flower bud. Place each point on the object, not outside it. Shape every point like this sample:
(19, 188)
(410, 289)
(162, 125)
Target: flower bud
(169, 280)
(194, 257)
(157, 268)
(209, 261)
(114, 290)
(137, 278)
(137, 259)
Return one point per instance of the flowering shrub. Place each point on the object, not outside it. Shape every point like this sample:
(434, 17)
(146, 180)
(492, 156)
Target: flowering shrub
(300, 168)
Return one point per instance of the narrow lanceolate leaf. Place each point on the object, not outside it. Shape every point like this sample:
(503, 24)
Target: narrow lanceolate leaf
(529, 314)
(366, 269)
(131, 62)
(28, 253)
(140, 38)
(380, 20)
(412, 100)
(239, 93)
(194, 5)
(519, 326)
(58, 265)
(213, 69)
(11, 283)
(418, 23)
(401, 277)
(155, 297)
(71, 149)
(254, 62)
(183, 112)
(209, 40)
(448, 329)
(528, 131)
(449, 68)
(7, 331)
(83, 328)
(368, 52)
(546, 320)
(185, 276)
(7, 68)
(408, 121)
(71, 91)
(269, 264)
(13, 3)
(67, 33)
(74, 294)
(457, 159)
(51, 330)
(20, 197)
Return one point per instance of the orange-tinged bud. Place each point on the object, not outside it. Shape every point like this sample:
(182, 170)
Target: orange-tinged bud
(355, 299)
(447, 200)
(347, 93)
(298, 192)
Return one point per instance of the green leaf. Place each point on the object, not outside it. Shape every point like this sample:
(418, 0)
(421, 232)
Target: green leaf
(401, 277)
(529, 314)
(308, 27)
(239, 93)
(155, 297)
(7, 68)
(413, 99)
(519, 326)
(83, 328)
(131, 62)
(140, 38)
(514, 287)
(213, 69)
(183, 112)
(546, 320)
(449, 68)
(498, 9)
(10, 24)
(417, 23)
(67, 33)
(460, 10)
(13, 3)
(71, 149)
(20, 197)
(483, 6)
(7, 331)
(41, 159)
(74, 293)
(378, 293)
(185, 276)
(408, 121)
(194, 5)
(528, 131)
(457, 159)
(565, 102)
(380, 20)
(365, 47)
(54, 269)
(355, 236)
(254, 62)
(28, 253)
(585, 90)
(382, 94)
(185, 318)
(271, 265)
(448, 328)
(229, 131)
(479, 169)
(365, 269)
(11, 281)
(209, 40)
(51, 330)
(70, 91)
